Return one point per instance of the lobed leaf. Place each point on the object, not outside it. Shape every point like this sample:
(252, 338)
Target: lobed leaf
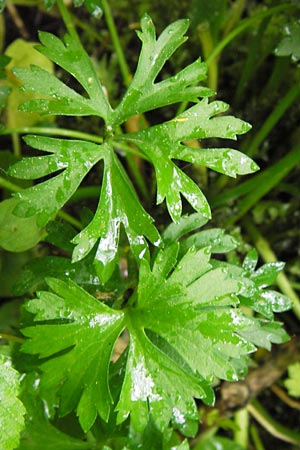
(118, 205)
(59, 98)
(143, 93)
(11, 408)
(164, 142)
(174, 351)
(72, 159)
(85, 331)
(161, 143)
(40, 432)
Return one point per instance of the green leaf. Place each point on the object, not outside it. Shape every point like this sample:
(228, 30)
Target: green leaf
(292, 382)
(217, 443)
(174, 352)
(11, 408)
(59, 98)
(215, 238)
(118, 205)
(264, 301)
(164, 142)
(40, 432)
(160, 144)
(23, 53)
(144, 94)
(290, 44)
(185, 225)
(73, 159)
(192, 298)
(87, 329)
(17, 234)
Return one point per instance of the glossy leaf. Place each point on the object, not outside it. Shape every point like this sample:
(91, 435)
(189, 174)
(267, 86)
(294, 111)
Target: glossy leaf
(215, 238)
(173, 318)
(58, 98)
(261, 299)
(164, 142)
(144, 94)
(185, 225)
(88, 330)
(290, 44)
(118, 205)
(72, 159)
(174, 353)
(160, 144)
(40, 432)
(11, 408)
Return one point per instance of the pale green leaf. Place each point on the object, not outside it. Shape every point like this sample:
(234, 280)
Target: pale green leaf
(11, 408)
(292, 382)
(174, 352)
(23, 53)
(17, 234)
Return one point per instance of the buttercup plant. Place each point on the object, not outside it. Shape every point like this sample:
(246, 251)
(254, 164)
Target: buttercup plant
(182, 316)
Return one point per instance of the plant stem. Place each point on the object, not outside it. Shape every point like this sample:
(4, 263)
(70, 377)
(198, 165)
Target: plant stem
(207, 44)
(244, 24)
(263, 183)
(273, 118)
(68, 218)
(235, 15)
(116, 42)
(54, 132)
(267, 254)
(6, 184)
(273, 427)
(67, 18)
(242, 421)
(11, 338)
(256, 438)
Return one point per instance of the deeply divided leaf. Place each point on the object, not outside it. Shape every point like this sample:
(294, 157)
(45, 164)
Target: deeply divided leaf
(69, 161)
(12, 409)
(174, 353)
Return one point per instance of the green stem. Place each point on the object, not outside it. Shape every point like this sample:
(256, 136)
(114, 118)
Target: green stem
(241, 419)
(6, 184)
(85, 192)
(116, 42)
(235, 15)
(54, 132)
(272, 426)
(262, 183)
(11, 338)
(70, 219)
(207, 44)
(244, 24)
(258, 445)
(273, 118)
(268, 256)
(16, 143)
(67, 18)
